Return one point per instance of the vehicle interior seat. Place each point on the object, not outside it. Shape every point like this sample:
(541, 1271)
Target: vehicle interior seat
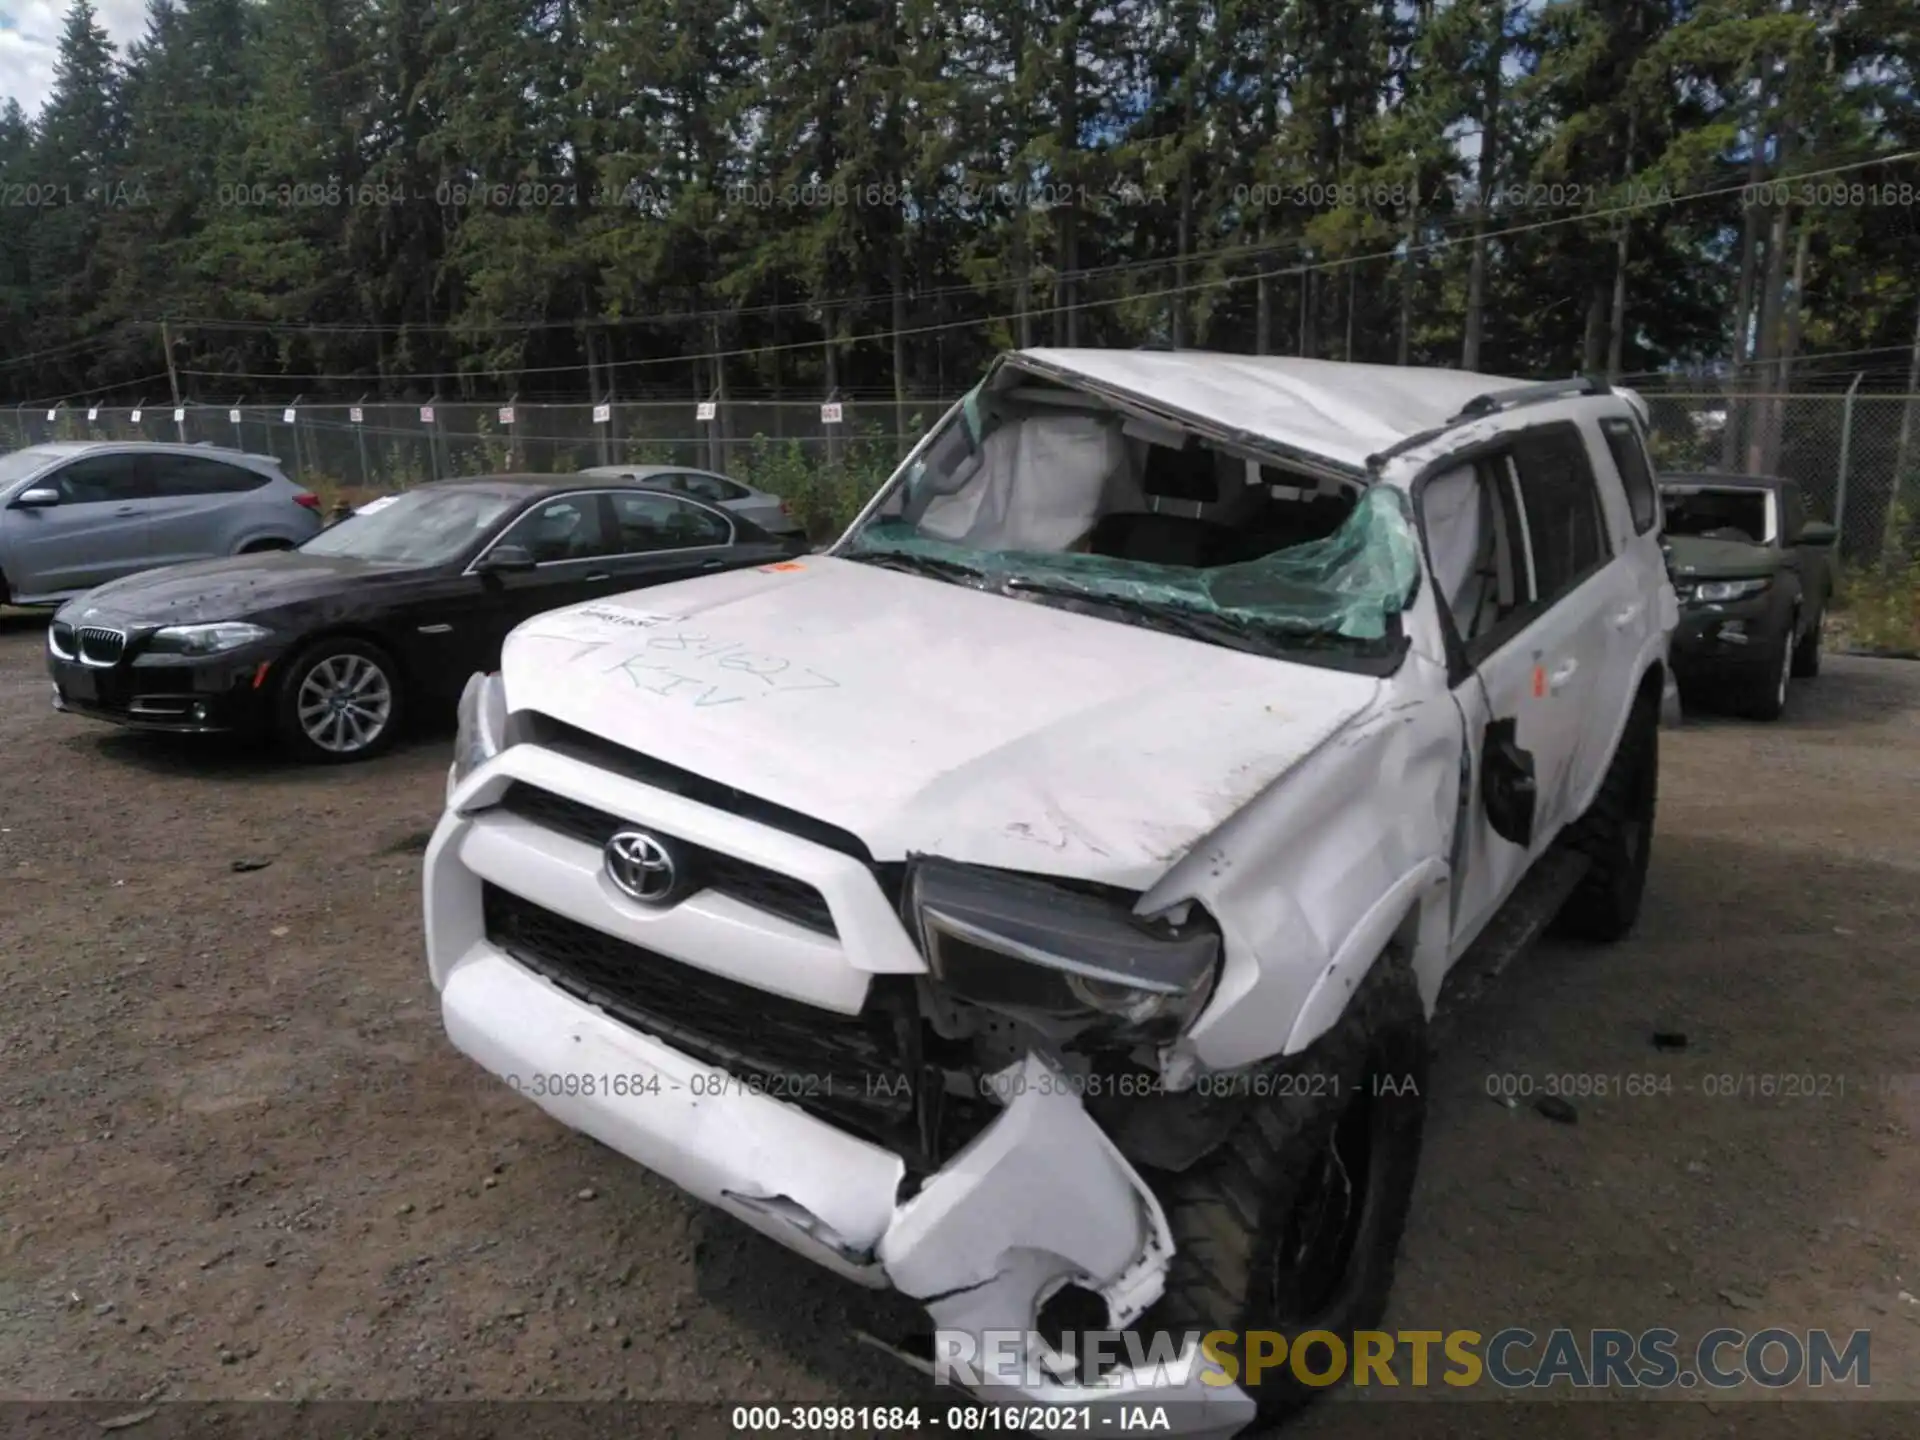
(1210, 529)
(1156, 537)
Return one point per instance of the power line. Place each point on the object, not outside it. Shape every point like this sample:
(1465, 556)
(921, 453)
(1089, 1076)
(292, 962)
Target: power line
(1042, 275)
(52, 400)
(1441, 243)
(68, 348)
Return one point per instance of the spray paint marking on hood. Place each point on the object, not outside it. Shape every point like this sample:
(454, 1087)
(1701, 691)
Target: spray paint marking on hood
(933, 718)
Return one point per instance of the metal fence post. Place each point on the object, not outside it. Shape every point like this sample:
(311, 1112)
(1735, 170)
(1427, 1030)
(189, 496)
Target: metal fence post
(603, 421)
(832, 426)
(430, 415)
(299, 461)
(1846, 455)
(515, 461)
(716, 459)
(235, 414)
(356, 416)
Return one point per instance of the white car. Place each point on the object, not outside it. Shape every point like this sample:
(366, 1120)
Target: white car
(1037, 901)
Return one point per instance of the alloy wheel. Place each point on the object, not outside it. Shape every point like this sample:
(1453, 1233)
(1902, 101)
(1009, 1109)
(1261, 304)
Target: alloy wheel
(345, 703)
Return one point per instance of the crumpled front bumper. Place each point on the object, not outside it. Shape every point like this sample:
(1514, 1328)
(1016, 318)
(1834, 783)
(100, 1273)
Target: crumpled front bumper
(1039, 1199)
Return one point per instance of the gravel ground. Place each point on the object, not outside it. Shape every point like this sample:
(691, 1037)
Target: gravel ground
(239, 1161)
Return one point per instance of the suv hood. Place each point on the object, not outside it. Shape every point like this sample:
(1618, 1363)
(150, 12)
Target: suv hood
(1691, 558)
(926, 717)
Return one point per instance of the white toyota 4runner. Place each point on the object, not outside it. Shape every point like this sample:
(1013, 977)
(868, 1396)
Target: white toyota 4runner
(1037, 901)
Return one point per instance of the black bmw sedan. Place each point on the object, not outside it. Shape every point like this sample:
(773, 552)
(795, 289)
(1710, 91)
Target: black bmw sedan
(393, 608)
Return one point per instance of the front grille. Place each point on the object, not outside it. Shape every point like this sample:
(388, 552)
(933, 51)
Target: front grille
(100, 646)
(853, 1070)
(591, 749)
(744, 881)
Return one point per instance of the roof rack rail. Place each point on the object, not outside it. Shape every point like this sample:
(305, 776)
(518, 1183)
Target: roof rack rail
(1495, 401)
(1492, 403)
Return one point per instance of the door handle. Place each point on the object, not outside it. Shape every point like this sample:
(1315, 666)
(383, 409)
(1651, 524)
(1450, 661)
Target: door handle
(711, 564)
(595, 579)
(1562, 674)
(128, 510)
(1625, 615)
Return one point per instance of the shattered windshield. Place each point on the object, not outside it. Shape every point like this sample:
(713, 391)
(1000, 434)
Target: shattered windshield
(1146, 524)
(1728, 513)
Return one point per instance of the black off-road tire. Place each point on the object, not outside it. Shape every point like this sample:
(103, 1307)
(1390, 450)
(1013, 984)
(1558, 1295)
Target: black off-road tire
(1763, 695)
(348, 654)
(1806, 655)
(1352, 1110)
(1616, 835)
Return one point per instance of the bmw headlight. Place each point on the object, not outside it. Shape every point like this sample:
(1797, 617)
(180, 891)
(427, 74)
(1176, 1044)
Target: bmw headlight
(1062, 958)
(483, 726)
(1720, 592)
(204, 639)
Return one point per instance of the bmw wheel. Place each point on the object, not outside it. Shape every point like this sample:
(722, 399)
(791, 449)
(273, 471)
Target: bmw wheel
(340, 701)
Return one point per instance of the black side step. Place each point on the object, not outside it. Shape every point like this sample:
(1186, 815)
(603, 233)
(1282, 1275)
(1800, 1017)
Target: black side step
(1514, 927)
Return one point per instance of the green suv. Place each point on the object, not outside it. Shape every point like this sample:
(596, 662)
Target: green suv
(1753, 574)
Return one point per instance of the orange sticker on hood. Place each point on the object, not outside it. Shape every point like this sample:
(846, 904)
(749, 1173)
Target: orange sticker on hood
(783, 565)
(1539, 681)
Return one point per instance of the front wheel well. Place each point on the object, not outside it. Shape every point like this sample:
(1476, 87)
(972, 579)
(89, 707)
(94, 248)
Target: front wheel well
(1651, 685)
(271, 542)
(365, 636)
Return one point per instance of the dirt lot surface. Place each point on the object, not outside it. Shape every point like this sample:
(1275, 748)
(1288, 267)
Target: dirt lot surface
(239, 1161)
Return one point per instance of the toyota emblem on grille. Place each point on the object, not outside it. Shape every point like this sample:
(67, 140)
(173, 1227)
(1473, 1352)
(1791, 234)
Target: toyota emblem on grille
(641, 866)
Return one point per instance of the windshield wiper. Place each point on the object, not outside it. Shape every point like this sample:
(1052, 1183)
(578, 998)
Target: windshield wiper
(1233, 631)
(929, 565)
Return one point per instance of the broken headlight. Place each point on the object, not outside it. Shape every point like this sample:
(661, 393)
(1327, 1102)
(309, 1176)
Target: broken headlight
(482, 732)
(1060, 957)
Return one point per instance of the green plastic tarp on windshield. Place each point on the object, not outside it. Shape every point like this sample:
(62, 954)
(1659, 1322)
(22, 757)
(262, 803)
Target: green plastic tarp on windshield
(1350, 583)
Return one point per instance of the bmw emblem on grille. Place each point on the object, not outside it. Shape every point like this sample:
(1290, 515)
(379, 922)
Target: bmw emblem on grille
(642, 866)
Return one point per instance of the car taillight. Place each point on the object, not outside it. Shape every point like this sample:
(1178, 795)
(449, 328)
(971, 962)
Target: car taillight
(308, 499)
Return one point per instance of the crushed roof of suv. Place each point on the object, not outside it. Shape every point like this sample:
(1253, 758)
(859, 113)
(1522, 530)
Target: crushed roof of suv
(1337, 409)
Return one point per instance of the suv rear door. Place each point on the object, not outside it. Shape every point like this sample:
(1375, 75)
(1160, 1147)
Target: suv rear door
(192, 511)
(97, 533)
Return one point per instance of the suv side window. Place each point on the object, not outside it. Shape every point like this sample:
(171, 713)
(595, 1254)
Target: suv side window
(1565, 525)
(98, 480)
(662, 522)
(1629, 453)
(565, 527)
(173, 476)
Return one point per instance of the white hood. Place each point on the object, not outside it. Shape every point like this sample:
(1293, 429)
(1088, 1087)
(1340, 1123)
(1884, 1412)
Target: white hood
(926, 717)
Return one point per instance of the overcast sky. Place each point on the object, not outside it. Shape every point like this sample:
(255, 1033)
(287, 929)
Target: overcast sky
(30, 37)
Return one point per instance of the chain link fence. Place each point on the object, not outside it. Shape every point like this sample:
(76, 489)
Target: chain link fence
(1856, 456)
(387, 446)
